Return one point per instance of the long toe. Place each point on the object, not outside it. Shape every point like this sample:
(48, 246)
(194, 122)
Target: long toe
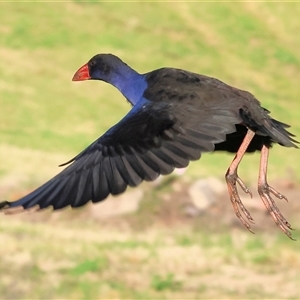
(264, 191)
(238, 206)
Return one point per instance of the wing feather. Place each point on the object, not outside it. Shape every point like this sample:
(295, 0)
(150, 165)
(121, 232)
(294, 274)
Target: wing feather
(152, 139)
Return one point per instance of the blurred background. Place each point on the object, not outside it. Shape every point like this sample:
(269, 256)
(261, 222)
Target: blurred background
(177, 237)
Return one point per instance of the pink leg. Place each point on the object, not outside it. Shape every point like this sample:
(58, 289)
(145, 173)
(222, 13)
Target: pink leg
(265, 190)
(232, 178)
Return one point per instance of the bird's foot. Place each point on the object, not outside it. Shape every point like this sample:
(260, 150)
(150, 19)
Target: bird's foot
(265, 192)
(238, 206)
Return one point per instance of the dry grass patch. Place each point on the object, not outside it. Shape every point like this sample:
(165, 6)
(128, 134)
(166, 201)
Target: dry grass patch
(57, 259)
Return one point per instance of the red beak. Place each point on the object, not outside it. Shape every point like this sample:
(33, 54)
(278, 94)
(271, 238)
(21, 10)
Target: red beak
(82, 74)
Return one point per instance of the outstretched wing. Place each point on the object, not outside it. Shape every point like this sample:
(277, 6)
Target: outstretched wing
(152, 139)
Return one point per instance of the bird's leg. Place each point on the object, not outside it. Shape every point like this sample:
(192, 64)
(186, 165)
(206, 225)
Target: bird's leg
(232, 178)
(265, 192)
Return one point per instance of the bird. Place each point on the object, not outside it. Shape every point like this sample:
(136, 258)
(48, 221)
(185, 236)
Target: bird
(176, 116)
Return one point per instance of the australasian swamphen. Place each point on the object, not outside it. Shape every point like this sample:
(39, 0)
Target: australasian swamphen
(176, 116)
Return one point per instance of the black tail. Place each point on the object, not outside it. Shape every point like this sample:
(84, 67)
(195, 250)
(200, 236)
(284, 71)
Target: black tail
(278, 133)
(264, 125)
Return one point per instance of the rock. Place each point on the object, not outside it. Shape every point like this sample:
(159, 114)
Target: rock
(204, 192)
(191, 210)
(115, 206)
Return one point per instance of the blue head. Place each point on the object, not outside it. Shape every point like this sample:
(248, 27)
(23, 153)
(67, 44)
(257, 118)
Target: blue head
(111, 69)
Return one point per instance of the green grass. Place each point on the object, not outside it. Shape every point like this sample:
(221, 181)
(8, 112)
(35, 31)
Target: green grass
(46, 119)
(167, 282)
(84, 263)
(43, 44)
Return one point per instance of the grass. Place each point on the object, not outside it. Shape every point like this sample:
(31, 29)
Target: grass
(85, 263)
(43, 110)
(46, 119)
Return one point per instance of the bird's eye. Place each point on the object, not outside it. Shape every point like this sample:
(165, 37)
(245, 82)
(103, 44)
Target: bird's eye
(92, 63)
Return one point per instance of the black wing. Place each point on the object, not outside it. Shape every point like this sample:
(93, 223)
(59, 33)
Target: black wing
(152, 139)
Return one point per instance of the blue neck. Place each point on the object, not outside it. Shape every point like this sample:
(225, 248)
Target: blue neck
(130, 83)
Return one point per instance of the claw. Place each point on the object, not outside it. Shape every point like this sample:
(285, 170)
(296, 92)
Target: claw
(243, 186)
(265, 192)
(277, 194)
(236, 201)
(263, 188)
(232, 178)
